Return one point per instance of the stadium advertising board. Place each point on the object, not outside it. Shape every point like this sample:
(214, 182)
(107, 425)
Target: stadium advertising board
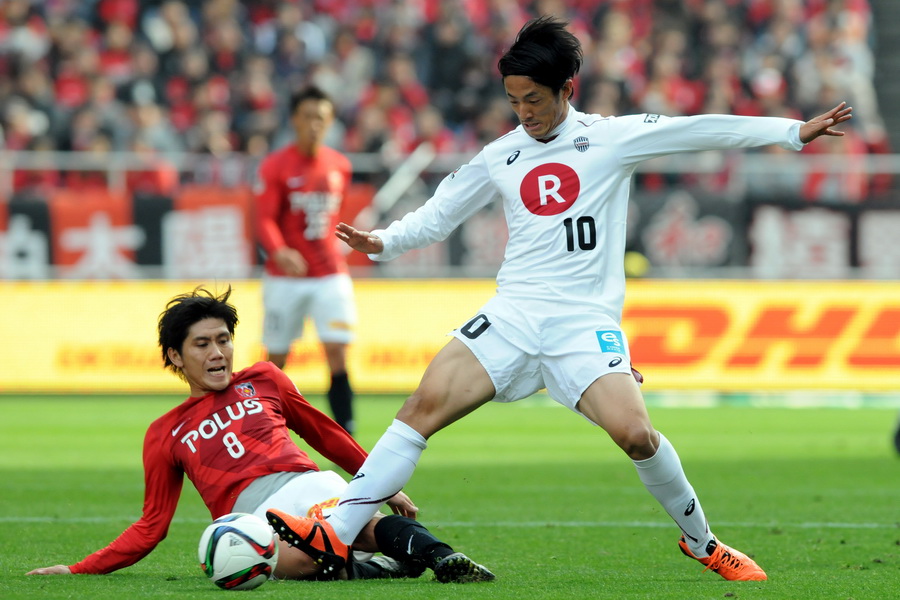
(92, 337)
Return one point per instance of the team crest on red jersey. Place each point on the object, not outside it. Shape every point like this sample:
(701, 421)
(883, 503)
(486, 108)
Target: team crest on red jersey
(550, 189)
(245, 390)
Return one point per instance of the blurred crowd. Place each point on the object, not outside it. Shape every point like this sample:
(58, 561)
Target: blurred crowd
(214, 76)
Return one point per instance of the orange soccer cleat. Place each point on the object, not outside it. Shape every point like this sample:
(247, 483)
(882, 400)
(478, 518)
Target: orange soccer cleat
(313, 535)
(731, 564)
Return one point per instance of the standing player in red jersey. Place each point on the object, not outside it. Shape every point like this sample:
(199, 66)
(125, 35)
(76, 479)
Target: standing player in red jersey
(298, 196)
(231, 438)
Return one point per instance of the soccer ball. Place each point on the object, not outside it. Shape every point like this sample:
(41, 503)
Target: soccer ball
(238, 551)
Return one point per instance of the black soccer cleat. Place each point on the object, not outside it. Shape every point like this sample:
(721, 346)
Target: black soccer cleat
(396, 569)
(459, 568)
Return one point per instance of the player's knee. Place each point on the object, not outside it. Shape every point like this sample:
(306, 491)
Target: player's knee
(366, 541)
(638, 442)
(424, 412)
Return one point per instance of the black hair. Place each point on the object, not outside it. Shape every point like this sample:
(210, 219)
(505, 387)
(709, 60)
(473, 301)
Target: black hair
(310, 92)
(545, 51)
(186, 309)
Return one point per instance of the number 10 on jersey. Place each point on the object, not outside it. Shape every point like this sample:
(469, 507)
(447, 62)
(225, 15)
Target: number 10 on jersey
(581, 231)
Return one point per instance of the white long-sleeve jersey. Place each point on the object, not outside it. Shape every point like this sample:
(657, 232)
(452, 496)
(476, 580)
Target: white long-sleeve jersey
(566, 200)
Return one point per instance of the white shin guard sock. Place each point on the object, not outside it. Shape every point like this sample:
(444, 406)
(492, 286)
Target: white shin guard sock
(384, 473)
(664, 477)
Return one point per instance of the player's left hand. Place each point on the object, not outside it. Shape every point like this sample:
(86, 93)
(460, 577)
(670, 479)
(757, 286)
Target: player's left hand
(824, 123)
(402, 505)
(54, 570)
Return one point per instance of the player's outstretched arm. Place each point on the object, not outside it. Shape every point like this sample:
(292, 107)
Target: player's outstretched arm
(54, 570)
(824, 123)
(361, 241)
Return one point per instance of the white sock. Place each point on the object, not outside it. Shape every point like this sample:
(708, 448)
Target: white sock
(664, 477)
(384, 473)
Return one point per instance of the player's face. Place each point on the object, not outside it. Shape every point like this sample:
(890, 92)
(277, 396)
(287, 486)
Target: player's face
(206, 356)
(311, 121)
(539, 110)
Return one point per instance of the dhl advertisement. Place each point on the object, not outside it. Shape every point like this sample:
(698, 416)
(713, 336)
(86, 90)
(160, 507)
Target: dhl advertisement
(67, 336)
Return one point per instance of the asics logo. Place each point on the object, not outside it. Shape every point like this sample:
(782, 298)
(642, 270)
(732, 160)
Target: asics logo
(615, 362)
(512, 157)
(690, 508)
(358, 476)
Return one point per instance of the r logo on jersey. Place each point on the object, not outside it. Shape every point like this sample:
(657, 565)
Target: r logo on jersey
(550, 189)
(651, 118)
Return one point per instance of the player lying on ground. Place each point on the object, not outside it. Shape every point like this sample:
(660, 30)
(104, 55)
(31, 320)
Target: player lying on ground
(231, 437)
(564, 178)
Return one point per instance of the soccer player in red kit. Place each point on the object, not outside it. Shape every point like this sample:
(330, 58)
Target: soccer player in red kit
(298, 195)
(231, 438)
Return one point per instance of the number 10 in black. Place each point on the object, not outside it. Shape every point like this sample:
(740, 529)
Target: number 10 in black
(583, 230)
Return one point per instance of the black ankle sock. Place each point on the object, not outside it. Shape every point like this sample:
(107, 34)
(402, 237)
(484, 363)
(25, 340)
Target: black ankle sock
(403, 538)
(340, 399)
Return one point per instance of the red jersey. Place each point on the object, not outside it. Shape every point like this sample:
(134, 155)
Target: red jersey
(297, 202)
(223, 441)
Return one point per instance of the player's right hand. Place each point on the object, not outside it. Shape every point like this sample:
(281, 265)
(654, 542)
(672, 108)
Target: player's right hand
(54, 570)
(361, 241)
(290, 261)
(402, 505)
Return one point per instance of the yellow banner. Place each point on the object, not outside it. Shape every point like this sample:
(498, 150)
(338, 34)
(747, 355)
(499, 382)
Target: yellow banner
(753, 335)
(719, 335)
(101, 336)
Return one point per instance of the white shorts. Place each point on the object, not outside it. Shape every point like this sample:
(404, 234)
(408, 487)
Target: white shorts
(300, 495)
(528, 345)
(288, 301)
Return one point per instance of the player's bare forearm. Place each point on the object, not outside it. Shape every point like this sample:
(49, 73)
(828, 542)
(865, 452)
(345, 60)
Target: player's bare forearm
(361, 241)
(824, 123)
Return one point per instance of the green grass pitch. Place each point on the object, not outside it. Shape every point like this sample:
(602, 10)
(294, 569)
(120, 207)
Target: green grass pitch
(529, 489)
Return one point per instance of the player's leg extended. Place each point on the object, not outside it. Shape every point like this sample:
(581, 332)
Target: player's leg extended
(340, 393)
(454, 384)
(334, 312)
(415, 548)
(285, 306)
(614, 402)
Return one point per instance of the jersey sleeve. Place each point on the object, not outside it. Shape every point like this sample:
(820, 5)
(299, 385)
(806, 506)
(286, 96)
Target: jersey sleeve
(459, 196)
(267, 196)
(641, 137)
(317, 429)
(162, 487)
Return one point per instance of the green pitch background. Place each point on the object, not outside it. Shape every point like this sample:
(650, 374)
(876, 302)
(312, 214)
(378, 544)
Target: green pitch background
(530, 490)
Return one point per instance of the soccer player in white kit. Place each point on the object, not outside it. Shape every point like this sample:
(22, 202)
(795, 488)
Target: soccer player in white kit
(564, 178)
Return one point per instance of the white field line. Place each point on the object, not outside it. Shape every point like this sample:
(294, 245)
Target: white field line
(502, 524)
